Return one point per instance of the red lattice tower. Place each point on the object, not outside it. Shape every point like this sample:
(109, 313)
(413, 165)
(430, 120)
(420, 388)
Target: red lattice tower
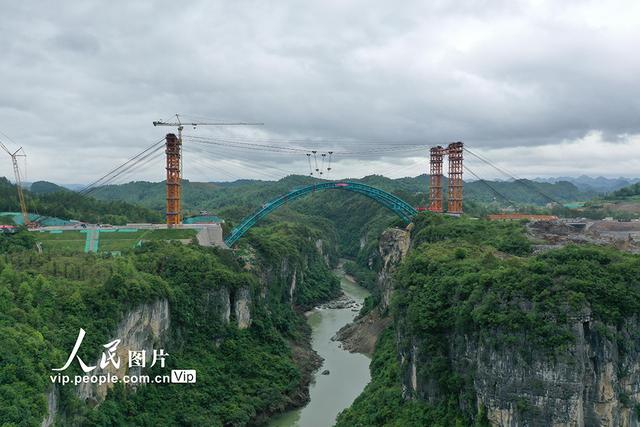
(173, 149)
(435, 179)
(455, 151)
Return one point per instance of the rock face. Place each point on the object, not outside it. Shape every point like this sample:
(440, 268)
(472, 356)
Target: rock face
(292, 286)
(146, 327)
(593, 383)
(141, 329)
(361, 335)
(393, 247)
(242, 308)
(218, 305)
(289, 272)
(52, 406)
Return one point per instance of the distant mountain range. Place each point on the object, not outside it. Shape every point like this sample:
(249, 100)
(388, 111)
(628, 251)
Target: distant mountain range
(588, 183)
(584, 183)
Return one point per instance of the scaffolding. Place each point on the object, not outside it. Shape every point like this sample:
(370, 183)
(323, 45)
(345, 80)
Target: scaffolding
(173, 149)
(454, 191)
(435, 179)
(455, 151)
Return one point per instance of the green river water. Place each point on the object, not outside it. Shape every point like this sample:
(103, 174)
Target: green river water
(349, 372)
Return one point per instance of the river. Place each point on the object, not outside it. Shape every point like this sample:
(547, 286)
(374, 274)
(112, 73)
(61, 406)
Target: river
(348, 372)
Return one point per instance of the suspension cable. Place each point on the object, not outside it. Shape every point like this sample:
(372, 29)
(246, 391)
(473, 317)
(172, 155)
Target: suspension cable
(520, 181)
(490, 187)
(153, 146)
(309, 160)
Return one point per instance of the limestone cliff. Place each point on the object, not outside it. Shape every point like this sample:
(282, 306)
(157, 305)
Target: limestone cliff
(147, 327)
(393, 247)
(242, 307)
(141, 329)
(592, 383)
(287, 276)
(362, 334)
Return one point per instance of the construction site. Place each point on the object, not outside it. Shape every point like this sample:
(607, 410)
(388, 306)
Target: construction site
(445, 192)
(81, 236)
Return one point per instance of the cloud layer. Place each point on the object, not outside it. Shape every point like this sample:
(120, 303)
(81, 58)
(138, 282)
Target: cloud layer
(525, 82)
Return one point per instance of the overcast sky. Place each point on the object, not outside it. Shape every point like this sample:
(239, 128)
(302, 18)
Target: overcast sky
(542, 88)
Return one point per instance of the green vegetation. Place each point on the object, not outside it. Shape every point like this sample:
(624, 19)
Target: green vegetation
(234, 200)
(505, 236)
(242, 374)
(626, 192)
(16, 242)
(247, 195)
(112, 240)
(312, 283)
(475, 279)
(44, 301)
(382, 403)
(58, 202)
(6, 220)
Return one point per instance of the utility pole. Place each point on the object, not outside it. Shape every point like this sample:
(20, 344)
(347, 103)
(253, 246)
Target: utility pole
(174, 167)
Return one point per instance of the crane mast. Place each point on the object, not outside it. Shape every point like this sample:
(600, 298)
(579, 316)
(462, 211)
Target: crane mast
(16, 172)
(173, 150)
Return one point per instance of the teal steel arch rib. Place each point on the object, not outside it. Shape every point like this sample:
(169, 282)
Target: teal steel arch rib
(397, 205)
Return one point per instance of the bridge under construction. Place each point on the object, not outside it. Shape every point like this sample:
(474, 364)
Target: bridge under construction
(173, 151)
(439, 187)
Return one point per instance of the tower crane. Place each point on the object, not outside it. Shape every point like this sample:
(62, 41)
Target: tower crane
(174, 165)
(16, 172)
(178, 124)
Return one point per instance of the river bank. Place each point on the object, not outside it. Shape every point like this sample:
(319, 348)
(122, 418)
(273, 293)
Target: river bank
(343, 375)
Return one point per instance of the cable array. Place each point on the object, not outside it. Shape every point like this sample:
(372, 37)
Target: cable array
(269, 147)
(139, 160)
(520, 181)
(491, 187)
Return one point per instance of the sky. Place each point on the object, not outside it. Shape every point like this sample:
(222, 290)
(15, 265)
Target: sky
(541, 88)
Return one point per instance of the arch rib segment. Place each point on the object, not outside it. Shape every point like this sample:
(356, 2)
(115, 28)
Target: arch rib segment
(401, 208)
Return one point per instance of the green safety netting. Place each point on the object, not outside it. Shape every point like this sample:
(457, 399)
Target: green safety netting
(201, 219)
(45, 221)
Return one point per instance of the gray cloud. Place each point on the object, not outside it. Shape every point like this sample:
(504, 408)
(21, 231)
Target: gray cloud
(81, 82)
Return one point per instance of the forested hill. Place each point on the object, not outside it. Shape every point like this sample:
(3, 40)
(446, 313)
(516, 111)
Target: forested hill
(234, 318)
(485, 329)
(247, 195)
(626, 192)
(48, 199)
(234, 200)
